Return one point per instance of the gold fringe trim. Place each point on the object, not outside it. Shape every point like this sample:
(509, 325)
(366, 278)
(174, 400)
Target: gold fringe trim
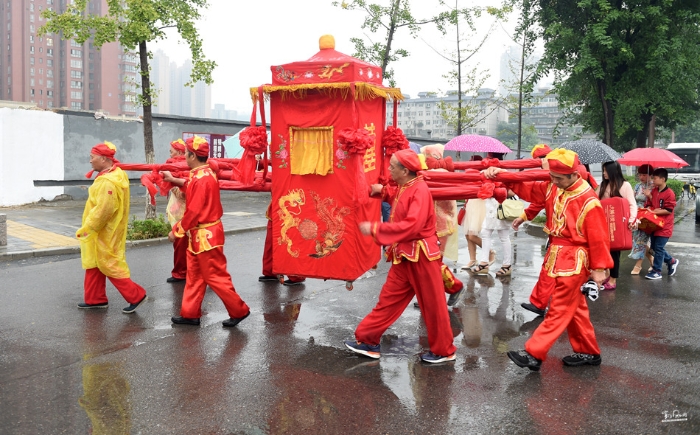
(363, 91)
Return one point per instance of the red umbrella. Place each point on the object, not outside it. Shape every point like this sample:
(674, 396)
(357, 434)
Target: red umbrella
(476, 143)
(656, 157)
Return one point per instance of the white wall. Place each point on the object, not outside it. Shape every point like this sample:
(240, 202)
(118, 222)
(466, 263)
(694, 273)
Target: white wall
(31, 148)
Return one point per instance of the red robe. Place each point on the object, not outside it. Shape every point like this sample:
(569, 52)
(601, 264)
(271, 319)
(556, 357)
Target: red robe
(575, 222)
(413, 249)
(206, 263)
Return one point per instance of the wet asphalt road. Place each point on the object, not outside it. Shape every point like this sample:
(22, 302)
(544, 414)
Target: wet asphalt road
(284, 370)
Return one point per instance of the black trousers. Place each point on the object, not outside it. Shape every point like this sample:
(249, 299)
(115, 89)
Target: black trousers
(615, 270)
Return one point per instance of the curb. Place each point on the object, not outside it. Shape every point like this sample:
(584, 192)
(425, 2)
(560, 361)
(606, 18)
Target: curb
(22, 255)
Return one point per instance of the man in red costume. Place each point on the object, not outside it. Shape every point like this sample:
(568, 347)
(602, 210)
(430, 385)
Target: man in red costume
(206, 263)
(413, 249)
(574, 222)
(267, 274)
(542, 292)
(102, 234)
(175, 211)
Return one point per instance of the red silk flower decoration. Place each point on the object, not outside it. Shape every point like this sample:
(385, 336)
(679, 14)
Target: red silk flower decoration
(486, 190)
(393, 140)
(354, 141)
(254, 141)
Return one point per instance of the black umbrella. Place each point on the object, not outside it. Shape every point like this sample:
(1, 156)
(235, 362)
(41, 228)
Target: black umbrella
(591, 151)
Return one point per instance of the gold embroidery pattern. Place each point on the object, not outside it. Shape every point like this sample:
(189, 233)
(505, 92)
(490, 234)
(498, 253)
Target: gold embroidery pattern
(333, 217)
(561, 202)
(589, 205)
(327, 72)
(551, 261)
(370, 160)
(202, 238)
(294, 200)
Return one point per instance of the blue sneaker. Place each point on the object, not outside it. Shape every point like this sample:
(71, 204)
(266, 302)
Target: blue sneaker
(653, 275)
(431, 358)
(365, 349)
(672, 267)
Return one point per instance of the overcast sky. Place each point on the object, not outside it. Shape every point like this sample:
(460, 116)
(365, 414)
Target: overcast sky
(246, 37)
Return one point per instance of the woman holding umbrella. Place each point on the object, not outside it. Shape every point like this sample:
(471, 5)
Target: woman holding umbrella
(640, 239)
(614, 185)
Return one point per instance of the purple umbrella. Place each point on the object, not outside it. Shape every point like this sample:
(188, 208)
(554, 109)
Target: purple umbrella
(476, 143)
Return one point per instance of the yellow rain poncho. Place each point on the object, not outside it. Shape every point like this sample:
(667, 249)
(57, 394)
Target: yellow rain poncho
(105, 220)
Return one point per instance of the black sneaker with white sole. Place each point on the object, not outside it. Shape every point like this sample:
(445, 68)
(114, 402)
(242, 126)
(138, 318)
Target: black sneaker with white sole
(86, 306)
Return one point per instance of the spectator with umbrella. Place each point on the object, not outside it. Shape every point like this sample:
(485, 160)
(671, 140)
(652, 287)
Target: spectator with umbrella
(614, 185)
(640, 239)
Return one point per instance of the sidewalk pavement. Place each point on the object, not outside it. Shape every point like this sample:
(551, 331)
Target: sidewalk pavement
(48, 228)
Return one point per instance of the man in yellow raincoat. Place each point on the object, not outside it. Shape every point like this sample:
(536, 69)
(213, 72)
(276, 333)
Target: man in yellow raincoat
(103, 233)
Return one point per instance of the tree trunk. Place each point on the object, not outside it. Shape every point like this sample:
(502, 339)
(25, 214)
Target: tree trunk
(459, 79)
(520, 95)
(390, 35)
(652, 131)
(147, 119)
(608, 114)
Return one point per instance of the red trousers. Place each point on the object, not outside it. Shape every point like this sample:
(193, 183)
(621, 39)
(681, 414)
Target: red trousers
(209, 268)
(543, 290)
(568, 311)
(96, 292)
(450, 282)
(406, 279)
(267, 257)
(180, 257)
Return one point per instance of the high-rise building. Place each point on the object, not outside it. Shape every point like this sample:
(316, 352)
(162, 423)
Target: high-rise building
(51, 72)
(174, 98)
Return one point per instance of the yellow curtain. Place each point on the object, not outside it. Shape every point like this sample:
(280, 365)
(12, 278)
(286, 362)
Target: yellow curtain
(311, 150)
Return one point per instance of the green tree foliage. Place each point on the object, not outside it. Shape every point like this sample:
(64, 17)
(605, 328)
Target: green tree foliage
(619, 64)
(511, 136)
(134, 23)
(688, 133)
(386, 20)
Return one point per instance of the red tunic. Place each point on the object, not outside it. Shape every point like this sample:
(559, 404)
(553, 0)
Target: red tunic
(575, 221)
(202, 219)
(411, 227)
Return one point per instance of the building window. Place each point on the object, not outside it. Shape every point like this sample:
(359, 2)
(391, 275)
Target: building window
(31, 61)
(49, 62)
(49, 52)
(76, 95)
(76, 84)
(74, 43)
(49, 84)
(49, 73)
(76, 74)
(31, 92)
(31, 49)
(31, 82)
(31, 39)
(76, 105)
(49, 93)
(31, 71)
(76, 53)
(49, 104)
(49, 42)
(76, 63)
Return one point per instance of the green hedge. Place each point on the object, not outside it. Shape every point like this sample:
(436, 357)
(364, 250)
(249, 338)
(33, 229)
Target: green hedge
(148, 228)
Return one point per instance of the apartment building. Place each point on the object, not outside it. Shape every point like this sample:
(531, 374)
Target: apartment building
(423, 116)
(51, 72)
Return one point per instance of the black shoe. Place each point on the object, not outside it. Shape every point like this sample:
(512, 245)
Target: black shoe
(528, 306)
(455, 297)
(233, 321)
(579, 359)
(290, 283)
(184, 321)
(523, 359)
(131, 308)
(173, 279)
(267, 278)
(85, 306)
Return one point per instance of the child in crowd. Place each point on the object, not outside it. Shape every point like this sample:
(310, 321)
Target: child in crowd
(661, 201)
